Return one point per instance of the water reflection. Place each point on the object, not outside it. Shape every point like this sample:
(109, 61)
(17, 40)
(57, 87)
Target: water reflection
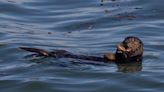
(124, 68)
(129, 68)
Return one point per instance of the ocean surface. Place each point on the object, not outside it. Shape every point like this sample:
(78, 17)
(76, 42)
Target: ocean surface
(87, 27)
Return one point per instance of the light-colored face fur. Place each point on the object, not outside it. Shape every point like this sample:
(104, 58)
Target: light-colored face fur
(131, 46)
(134, 44)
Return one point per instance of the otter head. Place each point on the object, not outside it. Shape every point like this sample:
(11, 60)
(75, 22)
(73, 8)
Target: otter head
(130, 50)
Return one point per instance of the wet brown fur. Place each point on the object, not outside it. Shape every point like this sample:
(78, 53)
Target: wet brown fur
(133, 50)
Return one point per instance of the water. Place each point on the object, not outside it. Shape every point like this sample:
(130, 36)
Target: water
(90, 27)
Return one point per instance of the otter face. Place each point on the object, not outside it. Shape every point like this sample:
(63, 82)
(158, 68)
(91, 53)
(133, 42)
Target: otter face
(131, 49)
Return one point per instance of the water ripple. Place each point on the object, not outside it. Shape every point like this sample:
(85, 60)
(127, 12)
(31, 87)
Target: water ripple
(89, 27)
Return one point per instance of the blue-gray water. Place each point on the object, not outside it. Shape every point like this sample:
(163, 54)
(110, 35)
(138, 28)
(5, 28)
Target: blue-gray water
(90, 27)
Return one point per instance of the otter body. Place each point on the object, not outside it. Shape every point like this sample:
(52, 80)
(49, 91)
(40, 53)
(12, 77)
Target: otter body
(130, 50)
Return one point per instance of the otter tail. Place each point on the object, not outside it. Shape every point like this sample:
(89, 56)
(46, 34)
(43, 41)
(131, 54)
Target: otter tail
(41, 52)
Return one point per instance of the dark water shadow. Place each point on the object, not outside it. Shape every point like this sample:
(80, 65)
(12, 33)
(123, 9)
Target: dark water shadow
(70, 63)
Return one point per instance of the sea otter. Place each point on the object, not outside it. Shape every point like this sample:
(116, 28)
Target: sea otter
(128, 51)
